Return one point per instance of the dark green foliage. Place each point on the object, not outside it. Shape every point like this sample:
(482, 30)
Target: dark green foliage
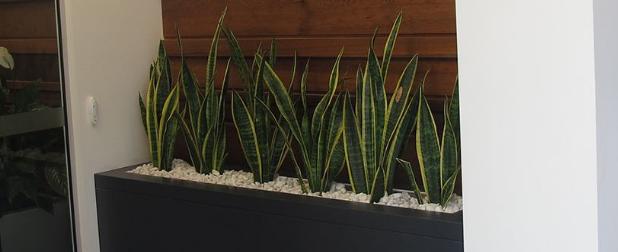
(203, 117)
(376, 127)
(317, 134)
(160, 112)
(438, 158)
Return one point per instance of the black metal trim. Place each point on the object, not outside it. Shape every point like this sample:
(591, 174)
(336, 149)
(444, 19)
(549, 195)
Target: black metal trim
(63, 95)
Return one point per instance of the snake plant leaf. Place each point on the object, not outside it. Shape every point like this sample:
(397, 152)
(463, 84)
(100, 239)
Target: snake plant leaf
(281, 128)
(390, 44)
(333, 147)
(448, 188)
(407, 167)
(377, 187)
(273, 53)
(192, 96)
(368, 133)
(246, 133)
(164, 71)
(448, 150)
(353, 149)
(212, 54)
(303, 85)
(358, 95)
(320, 109)
(142, 110)
(283, 100)
(238, 58)
(400, 119)
(379, 97)
(191, 143)
(171, 132)
(151, 124)
(428, 149)
(453, 112)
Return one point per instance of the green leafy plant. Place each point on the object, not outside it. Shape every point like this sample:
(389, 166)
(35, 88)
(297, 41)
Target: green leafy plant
(376, 128)
(160, 112)
(203, 118)
(317, 134)
(438, 158)
(263, 143)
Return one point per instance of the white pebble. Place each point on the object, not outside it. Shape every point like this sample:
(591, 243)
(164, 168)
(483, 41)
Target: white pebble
(184, 171)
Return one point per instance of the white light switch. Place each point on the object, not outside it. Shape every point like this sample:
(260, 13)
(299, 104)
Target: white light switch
(93, 117)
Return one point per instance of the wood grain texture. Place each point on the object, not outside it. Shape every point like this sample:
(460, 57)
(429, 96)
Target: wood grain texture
(28, 19)
(440, 81)
(198, 18)
(316, 30)
(30, 45)
(427, 46)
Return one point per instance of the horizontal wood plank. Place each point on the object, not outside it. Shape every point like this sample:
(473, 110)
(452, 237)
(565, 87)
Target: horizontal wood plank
(198, 18)
(31, 46)
(435, 46)
(440, 80)
(28, 19)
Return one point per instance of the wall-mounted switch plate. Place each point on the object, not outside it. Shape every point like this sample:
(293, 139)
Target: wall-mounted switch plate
(92, 109)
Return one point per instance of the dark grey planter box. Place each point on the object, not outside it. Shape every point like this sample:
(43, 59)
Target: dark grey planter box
(143, 213)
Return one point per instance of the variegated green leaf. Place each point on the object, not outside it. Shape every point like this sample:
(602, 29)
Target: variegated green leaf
(142, 109)
(368, 132)
(246, 133)
(453, 112)
(390, 44)
(407, 167)
(428, 149)
(238, 58)
(448, 150)
(212, 54)
(353, 150)
(448, 188)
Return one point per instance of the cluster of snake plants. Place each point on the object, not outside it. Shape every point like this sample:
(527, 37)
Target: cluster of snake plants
(438, 158)
(160, 112)
(317, 134)
(203, 115)
(376, 127)
(263, 143)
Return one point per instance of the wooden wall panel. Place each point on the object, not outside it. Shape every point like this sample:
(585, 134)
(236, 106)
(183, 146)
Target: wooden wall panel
(197, 18)
(317, 30)
(440, 80)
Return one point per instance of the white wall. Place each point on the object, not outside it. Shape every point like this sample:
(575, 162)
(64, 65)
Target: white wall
(606, 62)
(108, 46)
(528, 121)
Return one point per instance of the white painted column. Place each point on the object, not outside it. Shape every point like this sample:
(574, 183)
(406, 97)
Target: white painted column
(108, 47)
(606, 66)
(539, 120)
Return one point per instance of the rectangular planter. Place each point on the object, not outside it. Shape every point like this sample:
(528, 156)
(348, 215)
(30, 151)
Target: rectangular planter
(144, 213)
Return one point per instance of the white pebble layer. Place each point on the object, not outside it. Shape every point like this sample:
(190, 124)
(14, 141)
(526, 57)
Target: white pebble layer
(184, 171)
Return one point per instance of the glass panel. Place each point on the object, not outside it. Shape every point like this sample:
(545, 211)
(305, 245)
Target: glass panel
(35, 209)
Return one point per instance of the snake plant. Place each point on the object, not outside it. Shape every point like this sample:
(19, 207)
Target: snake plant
(317, 134)
(159, 112)
(203, 115)
(376, 128)
(263, 143)
(438, 158)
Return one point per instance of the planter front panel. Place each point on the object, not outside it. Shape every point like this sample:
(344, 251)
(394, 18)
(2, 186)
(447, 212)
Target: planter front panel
(141, 213)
